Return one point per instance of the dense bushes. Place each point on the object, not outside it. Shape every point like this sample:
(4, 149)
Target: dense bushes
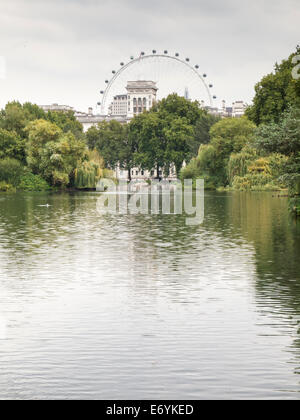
(31, 182)
(10, 171)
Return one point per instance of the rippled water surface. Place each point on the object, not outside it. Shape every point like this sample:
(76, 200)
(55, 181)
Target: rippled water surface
(130, 307)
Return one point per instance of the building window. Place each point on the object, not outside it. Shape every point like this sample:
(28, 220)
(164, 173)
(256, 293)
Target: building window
(140, 109)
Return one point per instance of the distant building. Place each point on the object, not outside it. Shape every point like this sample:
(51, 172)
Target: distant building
(141, 96)
(238, 109)
(57, 108)
(119, 106)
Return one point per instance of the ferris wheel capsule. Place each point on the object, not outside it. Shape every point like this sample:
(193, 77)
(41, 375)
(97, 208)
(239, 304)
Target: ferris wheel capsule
(176, 55)
(154, 51)
(214, 97)
(142, 53)
(101, 91)
(106, 81)
(196, 66)
(113, 72)
(204, 75)
(98, 103)
(132, 57)
(165, 52)
(187, 59)
(122, 64)
(211, 86)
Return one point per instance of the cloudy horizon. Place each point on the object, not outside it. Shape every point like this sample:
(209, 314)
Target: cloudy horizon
(62, 51)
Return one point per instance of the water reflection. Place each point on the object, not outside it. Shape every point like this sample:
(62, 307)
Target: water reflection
(140, 306)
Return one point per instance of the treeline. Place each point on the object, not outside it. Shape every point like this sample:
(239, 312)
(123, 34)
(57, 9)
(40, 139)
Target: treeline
(169, 134)
(40, 150)
(260, 151)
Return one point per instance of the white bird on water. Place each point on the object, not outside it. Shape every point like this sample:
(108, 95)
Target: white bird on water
(44, 205)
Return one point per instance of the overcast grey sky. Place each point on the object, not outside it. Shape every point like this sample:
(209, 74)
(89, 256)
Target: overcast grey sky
(62, 50)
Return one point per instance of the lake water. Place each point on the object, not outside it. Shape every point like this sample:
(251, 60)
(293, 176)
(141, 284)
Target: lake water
(141, 307)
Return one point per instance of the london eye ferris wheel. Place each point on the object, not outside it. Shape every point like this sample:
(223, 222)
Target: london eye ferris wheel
(171, 73)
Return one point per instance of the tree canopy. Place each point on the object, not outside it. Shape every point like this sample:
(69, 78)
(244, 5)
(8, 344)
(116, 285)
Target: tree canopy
(275, 93)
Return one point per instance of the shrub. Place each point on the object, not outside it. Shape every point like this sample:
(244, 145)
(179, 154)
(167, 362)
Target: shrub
(31, 182)
(10, 171)
(254, 182)
(4, 187)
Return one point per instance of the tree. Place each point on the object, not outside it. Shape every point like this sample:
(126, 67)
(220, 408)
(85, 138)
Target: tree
(15, 117)
(201, 132)
(53, 154)
(10, 171)
(275, 93)
(229, 135)
(67, 122)
(178, 106)
(283, 137)
(11, 145)
(166, 134)
(178, 134)
(107, 138)
(145, 130)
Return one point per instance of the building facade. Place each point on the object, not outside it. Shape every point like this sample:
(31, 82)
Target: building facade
(118, 107)
(141, 96)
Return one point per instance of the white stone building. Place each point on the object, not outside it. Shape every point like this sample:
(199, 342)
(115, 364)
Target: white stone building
(238, 109)
(57, 108)
(141, 96)
(119, 106)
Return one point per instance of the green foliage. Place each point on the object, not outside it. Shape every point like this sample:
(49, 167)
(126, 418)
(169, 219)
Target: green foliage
(31, 182)
(178, 107)
(204, 166)
(228, 136)
(87, 175)
(169, 133)
(110, 139)
(11, 145)
(67, 122)
(52, 154)
(249, 171)
(275, 93)
(283, 137)
(254, 182)
(10, 171)
(15, 117)
(146, 130)
(238, 163)
(201, 132)
(4, 187)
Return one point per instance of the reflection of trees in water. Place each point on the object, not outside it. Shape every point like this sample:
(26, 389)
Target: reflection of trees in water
(264, 221)
(34, 238)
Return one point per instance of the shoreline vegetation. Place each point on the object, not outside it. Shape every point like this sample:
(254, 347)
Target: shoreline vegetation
(42, 151)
